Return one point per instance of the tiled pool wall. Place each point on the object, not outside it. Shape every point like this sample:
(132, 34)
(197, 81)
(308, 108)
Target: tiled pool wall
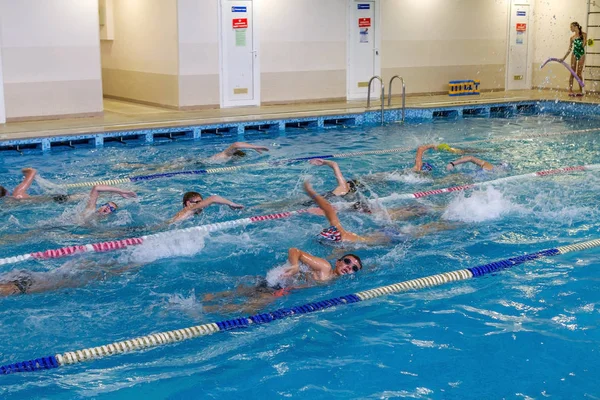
(247, 128)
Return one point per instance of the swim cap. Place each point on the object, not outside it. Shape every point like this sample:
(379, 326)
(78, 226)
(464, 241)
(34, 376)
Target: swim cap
(426, 167)
(331, 234)
(443, 147)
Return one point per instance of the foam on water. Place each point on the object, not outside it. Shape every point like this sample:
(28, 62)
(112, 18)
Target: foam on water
(479, 206)
(166, 246)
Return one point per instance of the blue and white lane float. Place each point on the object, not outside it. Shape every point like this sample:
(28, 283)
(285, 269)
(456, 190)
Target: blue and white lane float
(178, 335)
(219, 226)
(141, 178)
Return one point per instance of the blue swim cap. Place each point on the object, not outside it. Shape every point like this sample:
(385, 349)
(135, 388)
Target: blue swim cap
(426, 167)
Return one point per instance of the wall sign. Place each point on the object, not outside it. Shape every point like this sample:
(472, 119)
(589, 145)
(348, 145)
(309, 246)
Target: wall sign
(240, 23)
(521, 27)
(239, 9)
(364, 22)
(521, 14)
(364, 6)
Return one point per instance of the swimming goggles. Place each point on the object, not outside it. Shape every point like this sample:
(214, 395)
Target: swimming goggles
(110, 207)
(348, 261)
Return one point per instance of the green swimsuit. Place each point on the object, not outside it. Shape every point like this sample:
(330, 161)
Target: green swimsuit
(578, 50)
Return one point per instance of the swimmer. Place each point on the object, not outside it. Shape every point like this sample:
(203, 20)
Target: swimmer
(346, 189)
(336, 233)
(109, 207)
(318, 270)
(20, 191)
(577, 44)
(421, 166)
(235, 152)
(232, 153)
(70, 275)
(344, 186)
(193, 204)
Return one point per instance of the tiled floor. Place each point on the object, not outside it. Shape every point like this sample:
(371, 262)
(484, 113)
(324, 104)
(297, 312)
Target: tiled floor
(121, 115)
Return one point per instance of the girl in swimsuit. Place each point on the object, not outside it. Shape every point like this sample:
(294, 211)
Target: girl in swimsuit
(577, 44)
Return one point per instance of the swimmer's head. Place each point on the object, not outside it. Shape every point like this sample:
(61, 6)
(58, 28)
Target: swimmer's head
(362, 206)
(3, 191)
(107, 208)
(443, 147)
(354, 185)
(191, 198)
(426, 167)
(239, 153)
(348, 264)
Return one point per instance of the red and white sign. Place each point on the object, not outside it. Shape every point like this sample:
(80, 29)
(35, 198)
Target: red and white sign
(364, 22)
(240, 23)
(521, 27)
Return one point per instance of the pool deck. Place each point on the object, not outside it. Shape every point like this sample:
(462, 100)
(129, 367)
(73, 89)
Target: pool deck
(121, 115)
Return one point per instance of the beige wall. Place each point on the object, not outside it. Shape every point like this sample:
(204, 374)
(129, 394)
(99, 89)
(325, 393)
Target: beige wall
(552, 33)
(142, 62)
(50, 57)
(198, 53)
(431, 42)
(303, 49)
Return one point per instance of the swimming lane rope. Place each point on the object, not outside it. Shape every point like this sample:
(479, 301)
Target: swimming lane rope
(219, 226)
(178, 335)
(140, 178)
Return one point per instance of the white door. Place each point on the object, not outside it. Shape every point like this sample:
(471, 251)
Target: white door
(363, 48)
(518, 68)
(240, 73)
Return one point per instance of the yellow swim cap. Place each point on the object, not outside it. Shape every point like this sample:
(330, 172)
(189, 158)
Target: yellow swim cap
(443, 147)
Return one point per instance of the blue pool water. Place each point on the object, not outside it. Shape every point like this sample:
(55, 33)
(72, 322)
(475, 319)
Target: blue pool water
(528, 332)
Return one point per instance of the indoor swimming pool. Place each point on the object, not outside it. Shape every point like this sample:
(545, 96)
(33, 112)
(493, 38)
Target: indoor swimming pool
(526, 332)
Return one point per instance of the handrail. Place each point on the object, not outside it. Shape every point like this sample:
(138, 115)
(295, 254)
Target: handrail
(403, 94)
(382, 95)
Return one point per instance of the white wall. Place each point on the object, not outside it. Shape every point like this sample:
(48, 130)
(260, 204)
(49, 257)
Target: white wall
(303, 49)
(51, 59)
(430, 42)
(552, 33)
(141, 63)
(198, 52)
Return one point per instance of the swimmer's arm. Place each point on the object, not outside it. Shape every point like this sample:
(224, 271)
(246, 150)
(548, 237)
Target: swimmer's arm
(324, 205)
(568, 51)
(96, 190)
(477, 161)
(342, 187)
(189, 211)
(297, 256)
(419, 158)
(20, 191)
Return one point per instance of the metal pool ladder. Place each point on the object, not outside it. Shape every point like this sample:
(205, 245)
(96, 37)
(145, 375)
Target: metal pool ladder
(382, 95)
(403, 94)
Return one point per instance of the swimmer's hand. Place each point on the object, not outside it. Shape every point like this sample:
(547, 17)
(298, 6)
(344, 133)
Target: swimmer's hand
(308, 188)
(260, 149)
(317, 161)
(235, 206)
(291, 271)
(127, 194)
(449, 167)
